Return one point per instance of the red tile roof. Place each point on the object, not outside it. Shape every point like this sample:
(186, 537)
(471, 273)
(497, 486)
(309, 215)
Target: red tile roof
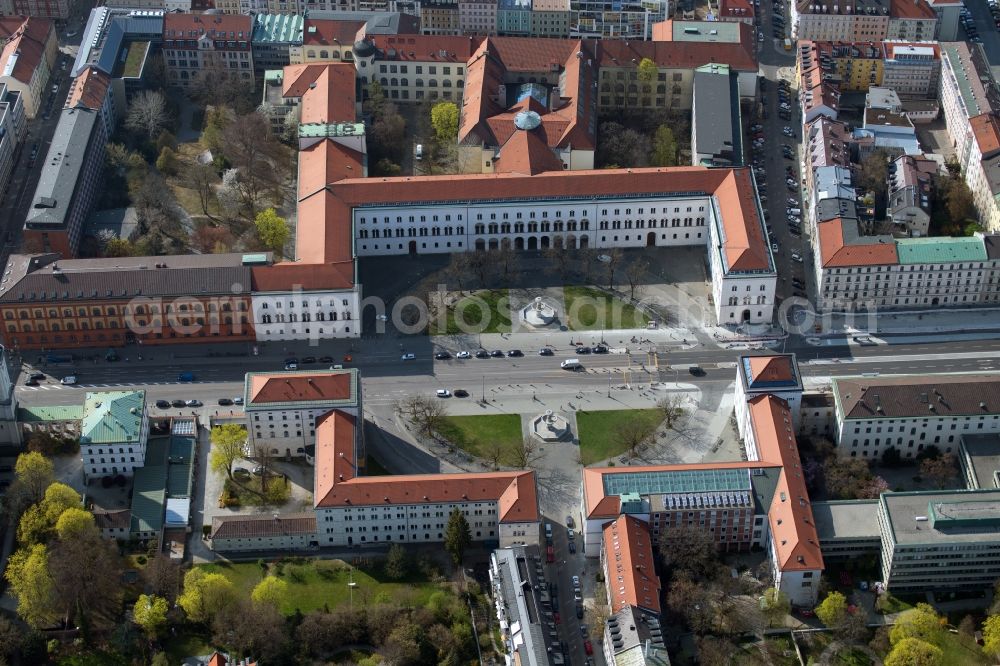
(426, 48)
(333, 34)
(289, 276)
(526, 153)
(986, 129)
(771, 369)
(337, 482)
(835, 252)
(911, 9)
(327, 91)
(740, 56)
(294, 387)
(598, 505)
(89, 89)
(221, 27)
(325, 162)
(24, 39)
(631, 571)
(745, 246)
(793, 528)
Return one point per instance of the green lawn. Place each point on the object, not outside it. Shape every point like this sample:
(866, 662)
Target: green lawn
(890, 604)
(961, 651)
(315, 583)
(133, 61)
(475, 433)
(598, 431)
(481, 312)
(588, 309)
(187, 643)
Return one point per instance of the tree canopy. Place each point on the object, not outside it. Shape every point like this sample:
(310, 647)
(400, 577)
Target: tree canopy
(271, 591)
(150, 613)
(921, 622)
(205, 594)
(31, 585)
(444, 120)
(914, 652)
(833, 610)
(457, 536)
(228, 441)
(273, 231)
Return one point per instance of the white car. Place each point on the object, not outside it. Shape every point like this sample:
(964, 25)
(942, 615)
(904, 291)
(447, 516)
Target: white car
(796, 257)
(570, 534)
(774, 247)
(407, 357)
(291, 366)
(576, 582)
(443, 393)
(70, 380)
(463, 354)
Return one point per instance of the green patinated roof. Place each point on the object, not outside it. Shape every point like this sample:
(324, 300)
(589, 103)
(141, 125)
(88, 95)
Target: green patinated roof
(52, 413)
(111, 417)
(277, 28)
(149, 491)
(332, 130)
(940, 250)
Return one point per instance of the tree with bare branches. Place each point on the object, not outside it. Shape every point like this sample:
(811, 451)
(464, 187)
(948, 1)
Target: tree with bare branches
(458, 269)
(525, 453)
(254, 152)
(636, 435)
(147, 113)
(671, 409)
(614, 259)
(200, 178)
(425, 414)
(558, 259)
(494, 453)
(635, 272)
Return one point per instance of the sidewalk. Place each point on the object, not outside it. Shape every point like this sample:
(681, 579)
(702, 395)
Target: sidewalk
(917, 322)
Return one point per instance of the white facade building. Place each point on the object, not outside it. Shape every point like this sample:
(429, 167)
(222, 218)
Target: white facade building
(306, 315)
(282, 407)
(910, 413)
(113, 433)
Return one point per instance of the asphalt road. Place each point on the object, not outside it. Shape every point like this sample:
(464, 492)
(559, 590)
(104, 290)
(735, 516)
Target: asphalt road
(987, 32)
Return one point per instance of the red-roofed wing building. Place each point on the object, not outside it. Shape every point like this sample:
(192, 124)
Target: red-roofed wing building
(982, 170)
(354, 510)
(29, 51)
(629, 566)
(773, 374)
(200, 46)
(282, 407)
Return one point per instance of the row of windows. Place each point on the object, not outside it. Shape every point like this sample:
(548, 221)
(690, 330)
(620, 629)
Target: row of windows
(112, 311)
(531, 215)
(419, 69)
(317, 303)
(306, 317)
(419, 83)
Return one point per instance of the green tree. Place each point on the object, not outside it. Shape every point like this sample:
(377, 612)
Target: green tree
(991, 635)
(228, 441)
(457, 536)
(205, 594)
(959, 201)
(34, 473)
(272, 230)
(920, 622)
(664, 147)
(31, 585)
(272, 591)
(167, 161)
(150, 613)
(444, 120)
(914, 652)
(216, 121)
(73, 522)
(646, 72)
(833, 610)
(39, 520)
(160, 659)
(397, 562)
(118, 247)
(775, 605)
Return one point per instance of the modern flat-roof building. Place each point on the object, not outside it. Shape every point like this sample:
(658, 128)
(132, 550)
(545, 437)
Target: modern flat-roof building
(716, 128)
(275, 37)
(940, 540)
(521, 596)
(911, 412)
(847, 529)
(113, 433)
(627, 20)
(979, 456)
(71, 175)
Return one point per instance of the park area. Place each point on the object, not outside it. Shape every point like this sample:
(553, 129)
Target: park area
(600, 432)
(591, 309)
(483, 311)
(484, 436)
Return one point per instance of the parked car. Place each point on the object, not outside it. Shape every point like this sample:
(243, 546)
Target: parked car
(225, 402)
(68, 380)
(177, 403)
(193, 403)
(463, 354)
(515, 353)
(162, 404)
(583, 350)
(443, 393)
(545, 351)
(572, 547)
(482, 353)
(460, 393)
(442, 356)
(496, 353)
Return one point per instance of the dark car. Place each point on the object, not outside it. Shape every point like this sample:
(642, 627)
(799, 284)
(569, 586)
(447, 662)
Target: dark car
(515, 353)
(696, 371)
(442, 356)
(37, 375)
(225, 402)
(583, 350)
(599, 349)
(496, 353)
(177, 403)
(579, 611)
(460, 393)
(545, 351)
(290, 360)
(482, 353)
(163, 404)
(28, 381)
(572, 547)
(326, 359)
(308, 359)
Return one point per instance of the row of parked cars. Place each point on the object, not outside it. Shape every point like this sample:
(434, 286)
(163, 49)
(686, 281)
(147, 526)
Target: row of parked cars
(970, 26)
